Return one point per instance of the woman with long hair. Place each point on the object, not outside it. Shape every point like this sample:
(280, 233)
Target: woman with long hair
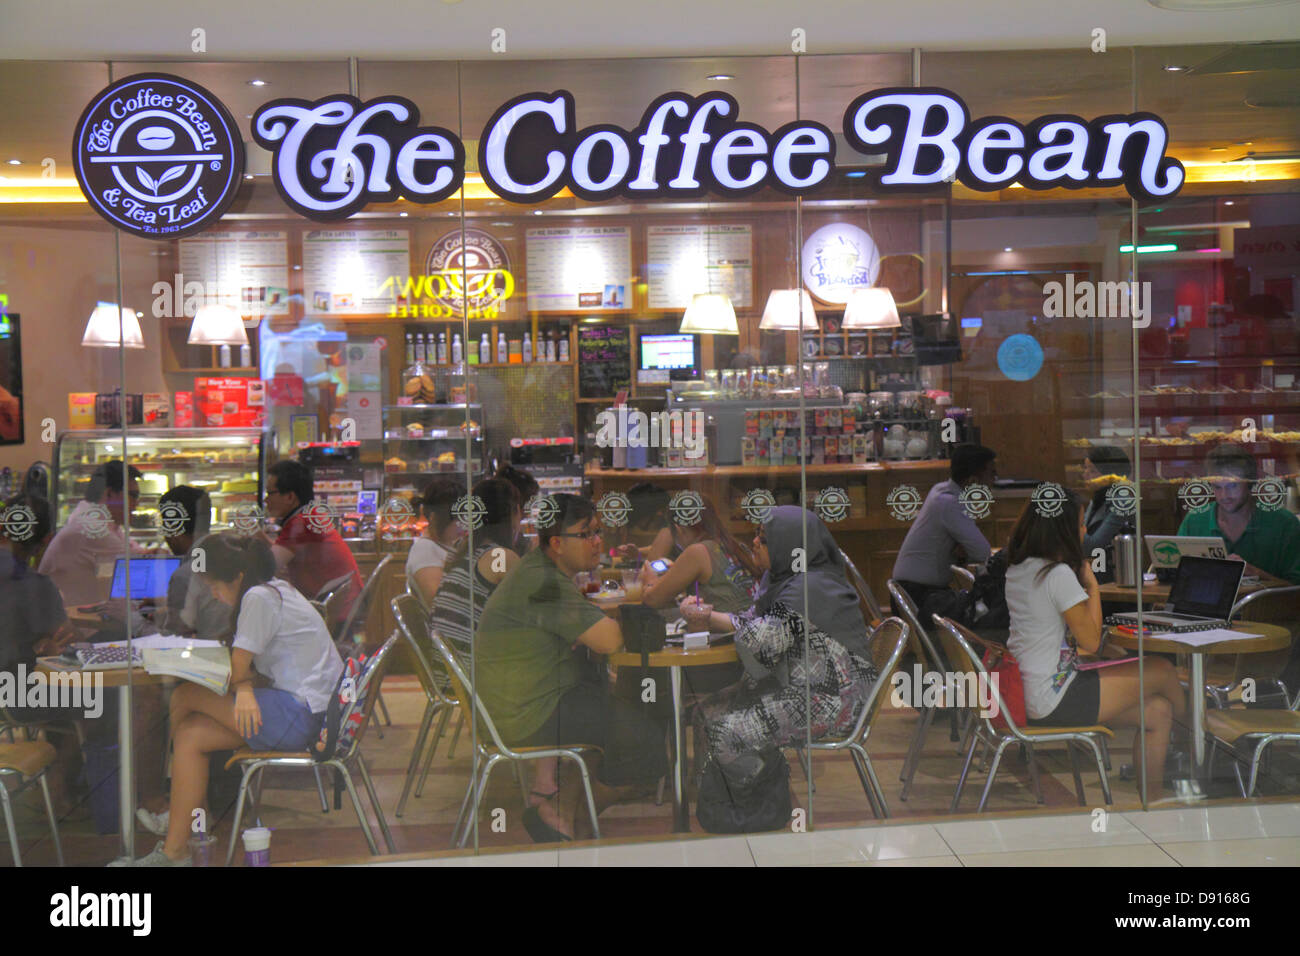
(1055, 607)
(279, 637)
(711, 557)
(428, 554)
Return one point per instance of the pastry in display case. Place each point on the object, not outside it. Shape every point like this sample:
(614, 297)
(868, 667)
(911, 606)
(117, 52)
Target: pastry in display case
(425, 439)
(227, 463)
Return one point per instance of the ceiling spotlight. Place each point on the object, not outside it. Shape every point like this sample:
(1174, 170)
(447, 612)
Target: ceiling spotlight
(1006, 248)
(15, 162)
(537, 212)
(248, 175)
(403, 214)
(719, 77)
(1175, 68)
(257, 82)
(1228, 202)
(855, 174)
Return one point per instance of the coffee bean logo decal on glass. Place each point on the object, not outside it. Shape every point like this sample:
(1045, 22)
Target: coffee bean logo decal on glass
(158, 156)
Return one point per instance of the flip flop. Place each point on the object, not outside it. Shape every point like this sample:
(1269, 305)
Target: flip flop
(540, 830)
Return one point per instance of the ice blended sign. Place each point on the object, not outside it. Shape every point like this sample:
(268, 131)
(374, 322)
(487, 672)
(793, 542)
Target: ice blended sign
(160, 157)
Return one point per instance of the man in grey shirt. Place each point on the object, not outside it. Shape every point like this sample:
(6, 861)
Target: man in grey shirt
(943, 525)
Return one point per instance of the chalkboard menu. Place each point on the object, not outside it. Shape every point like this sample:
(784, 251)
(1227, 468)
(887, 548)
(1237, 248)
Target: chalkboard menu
(604, 360)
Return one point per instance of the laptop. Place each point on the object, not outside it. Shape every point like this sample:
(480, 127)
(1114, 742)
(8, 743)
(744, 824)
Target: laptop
(1167, 550)
(149, 576)
(1204, 591)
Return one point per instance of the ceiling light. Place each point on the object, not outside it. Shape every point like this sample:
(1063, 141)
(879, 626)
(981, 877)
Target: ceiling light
(111, 326)
(537, 212)
(217, 325)
(1228, 202)
(1006, 248)
(403, 214)
(710, 312)
(15, 162)
(257, 82)
(1162, 247)
(719, 77)
(248, 175)
(1175, 68)
(784, 310)
(871, 309)
(855, 174)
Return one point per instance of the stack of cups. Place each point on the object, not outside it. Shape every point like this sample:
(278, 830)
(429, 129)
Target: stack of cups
(257, 846)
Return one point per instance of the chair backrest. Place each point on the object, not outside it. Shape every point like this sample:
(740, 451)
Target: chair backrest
(413, 622)
(875, 614)
(366, 693)
(1269, 605)
(907, 610)
(962, 577)
(361, 606)
(463, 687)
(960, 645)
(885, 646)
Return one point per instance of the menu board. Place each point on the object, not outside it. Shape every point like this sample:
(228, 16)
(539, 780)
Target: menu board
(354, 271)
(579, 268)
(689, 259)
(604, 360)
(249, 270)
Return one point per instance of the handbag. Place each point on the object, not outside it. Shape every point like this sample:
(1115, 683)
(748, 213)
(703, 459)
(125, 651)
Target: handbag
(1010, 684)
(722, 807)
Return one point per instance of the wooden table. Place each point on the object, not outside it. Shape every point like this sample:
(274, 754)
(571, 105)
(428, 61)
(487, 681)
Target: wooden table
(675, 658)
(1153, 592)
(126, 757)
(1271, 637)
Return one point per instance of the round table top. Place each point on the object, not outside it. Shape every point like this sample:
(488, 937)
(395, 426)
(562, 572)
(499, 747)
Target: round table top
(1153, 591)
(1271, 637)
(680, 657)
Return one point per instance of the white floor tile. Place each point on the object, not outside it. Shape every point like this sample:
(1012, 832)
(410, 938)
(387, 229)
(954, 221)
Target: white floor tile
(1184, 824)
(1145, 854)
(714, 851)
(912, 861)
(1038, 833)
(868, 844)
(535, 858)
(1274, 851)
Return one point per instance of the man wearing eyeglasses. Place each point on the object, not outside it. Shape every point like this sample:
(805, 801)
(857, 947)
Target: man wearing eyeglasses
(529, 670)
(88, 541)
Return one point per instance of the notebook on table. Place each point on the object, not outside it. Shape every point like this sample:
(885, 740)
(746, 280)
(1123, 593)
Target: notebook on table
(1202, 596)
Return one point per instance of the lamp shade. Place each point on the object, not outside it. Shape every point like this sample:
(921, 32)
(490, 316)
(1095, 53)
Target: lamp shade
(218, 325)
(781, 314)
(871, 309)
(110, 326)
(710, 312)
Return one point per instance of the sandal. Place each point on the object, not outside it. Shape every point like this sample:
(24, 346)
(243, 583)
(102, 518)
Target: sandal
(540, 830)
(544, 797)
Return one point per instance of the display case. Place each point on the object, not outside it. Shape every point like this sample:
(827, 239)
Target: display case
(227, 463)
(423, 440)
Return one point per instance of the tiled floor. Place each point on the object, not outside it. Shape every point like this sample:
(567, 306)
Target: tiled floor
(1016, 830)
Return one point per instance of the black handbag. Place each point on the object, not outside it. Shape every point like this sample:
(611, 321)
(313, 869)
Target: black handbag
(722, 807)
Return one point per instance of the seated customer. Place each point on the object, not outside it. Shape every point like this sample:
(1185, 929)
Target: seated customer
(1102, 468)
(191, 606)
(278, 635)
(924, 564)
(428, 554)
(1268, 541)
(85, 542)
(1055, 607)
(310, 557)
(541, 693)
(711, 559)
(647, 534)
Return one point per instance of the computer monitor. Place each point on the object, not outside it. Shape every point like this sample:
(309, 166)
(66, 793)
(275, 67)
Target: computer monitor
(149, 577)
(1168, 549)
(1206, 586)
(677, 353)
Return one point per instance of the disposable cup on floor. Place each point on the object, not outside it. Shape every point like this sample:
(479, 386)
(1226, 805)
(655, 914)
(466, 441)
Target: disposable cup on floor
(257, 846)
(201, 847)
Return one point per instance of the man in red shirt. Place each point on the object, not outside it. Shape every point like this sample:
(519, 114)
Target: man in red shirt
(309, 551)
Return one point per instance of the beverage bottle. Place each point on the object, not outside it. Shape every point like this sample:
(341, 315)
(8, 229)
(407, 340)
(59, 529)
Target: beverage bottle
(550, 346)
(442, 348)
(528, 348)
(564, 346)
(419, 349)
(457, 354)
(473, 351)
(430, 349)
(503, 354)
(410, 349)
(484, 349)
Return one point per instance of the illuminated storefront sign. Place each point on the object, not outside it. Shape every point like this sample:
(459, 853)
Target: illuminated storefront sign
(334, 156)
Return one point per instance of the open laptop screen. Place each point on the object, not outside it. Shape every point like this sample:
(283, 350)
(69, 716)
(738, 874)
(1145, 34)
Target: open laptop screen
(1206, 587)
(149, 577)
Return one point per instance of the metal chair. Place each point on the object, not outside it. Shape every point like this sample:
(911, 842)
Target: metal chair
(346, 633)
(490, 754)
(1261, 727)
(1271, 605)
(931, 659)
(886, 645)
(962, 575)
(253, 762)
(26, 763)
(957, 641)
(863, 588)
(413, 622)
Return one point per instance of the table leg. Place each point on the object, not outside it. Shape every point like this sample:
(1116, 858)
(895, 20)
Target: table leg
(126, 773)
(681, 812)
(1196, 712)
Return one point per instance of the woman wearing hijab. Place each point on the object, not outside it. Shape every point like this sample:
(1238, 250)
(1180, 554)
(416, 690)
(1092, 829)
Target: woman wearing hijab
(806, 662)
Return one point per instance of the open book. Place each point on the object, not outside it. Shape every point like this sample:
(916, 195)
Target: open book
(206, 663)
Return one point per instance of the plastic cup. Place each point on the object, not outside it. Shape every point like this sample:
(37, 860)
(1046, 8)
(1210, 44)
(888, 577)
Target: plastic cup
(257, 846)
(632, 585)
(201, 849)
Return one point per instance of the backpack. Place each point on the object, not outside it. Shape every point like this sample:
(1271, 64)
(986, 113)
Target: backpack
(344, 715)
(988, 609)
(722, 807)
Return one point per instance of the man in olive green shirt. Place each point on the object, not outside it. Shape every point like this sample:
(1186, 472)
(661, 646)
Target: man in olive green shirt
(1268, 541)
(536, 687)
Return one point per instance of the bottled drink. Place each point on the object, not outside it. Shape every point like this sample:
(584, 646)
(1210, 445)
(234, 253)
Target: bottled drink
(484, 349)
(442, 348)
(528, 348)
(473, 351)
(550, 346)
(419, 349)
(430, 348)
(503, 353)
(564, 347)
(410, 349)
(457, 356)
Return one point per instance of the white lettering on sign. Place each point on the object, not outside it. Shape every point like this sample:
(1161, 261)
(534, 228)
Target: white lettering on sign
(926, 131)
(335, 181)
(685, 146)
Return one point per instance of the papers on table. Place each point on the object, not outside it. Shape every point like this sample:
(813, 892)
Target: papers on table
(168, 641)
(1216, 635)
